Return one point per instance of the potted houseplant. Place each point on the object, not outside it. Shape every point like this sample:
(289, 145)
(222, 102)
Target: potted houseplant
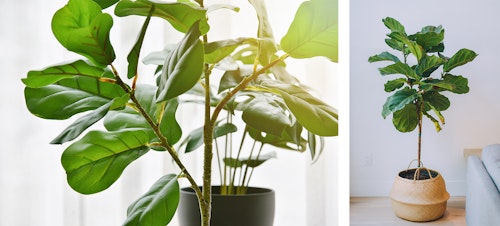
(138, 118)
(419, 194)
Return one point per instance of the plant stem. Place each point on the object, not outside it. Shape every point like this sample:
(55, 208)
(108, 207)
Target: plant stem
(156, 129)
(419, 109)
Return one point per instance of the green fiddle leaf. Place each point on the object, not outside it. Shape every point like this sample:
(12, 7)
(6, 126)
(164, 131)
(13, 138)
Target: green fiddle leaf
(218, 50)
(169, 126)
(106, 3)
(81, 27)
(453, 83)
(430, 37)
(438, 101)
(76, 128)
(97, 160)
(158, 57)
(312, 113)
(289, 140)
(397, 45)
(394, 84)
(53, 74)
(266, 44)
(180, 15)
(314, 31)
(462, 57)
(399, 68)
(399, 100)
(133, 56)
(157, 206)
(70, 96)
(393, 25)
(195, 139)
(385, 56)
(414, 48)
(183, 67)
(266, 113)
(406, 119)
(428, 64)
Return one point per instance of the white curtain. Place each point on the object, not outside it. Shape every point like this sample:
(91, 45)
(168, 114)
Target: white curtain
(33, 188)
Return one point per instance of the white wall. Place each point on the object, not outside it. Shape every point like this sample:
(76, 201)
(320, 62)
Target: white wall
(378, 152)
(33, 188)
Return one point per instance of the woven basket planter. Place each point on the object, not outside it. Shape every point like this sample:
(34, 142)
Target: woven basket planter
(419, 200)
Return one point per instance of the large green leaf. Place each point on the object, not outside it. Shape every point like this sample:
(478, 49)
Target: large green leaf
(428, 64)
(70, 96)
(133, 56)
(414, 47)
(394, 84)
(157, 206)
(290, 139)
(266, 113)
(399, 100)
(267, 45)
(312, 113)
(438, 101)
(393, 25)
(406, 119)
(453, 83)
(195, 139)
(180, 15)
(384, 56)
(81, 27)
(169, 126)
(399, 68)
(81, 124)
(462, 57)
(182, 68)
(430, 37)
(314, 31)
(53, 74)
(218, 50)
(96, 161)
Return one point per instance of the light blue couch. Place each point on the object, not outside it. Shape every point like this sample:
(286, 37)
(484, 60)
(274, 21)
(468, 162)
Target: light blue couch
(483, 188)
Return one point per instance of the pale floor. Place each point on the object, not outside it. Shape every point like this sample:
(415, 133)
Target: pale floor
(377, 211)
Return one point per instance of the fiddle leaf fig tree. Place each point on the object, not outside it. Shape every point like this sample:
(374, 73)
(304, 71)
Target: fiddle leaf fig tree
(424, 76)
(275, 107)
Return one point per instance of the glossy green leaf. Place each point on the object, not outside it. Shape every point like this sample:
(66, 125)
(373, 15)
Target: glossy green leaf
(454, 83)
(169, 126)
(157, 206)
(393, 25)
(430, 37)
(53, 74)
(436, 100)
(218, 50)
(406, 119)
(97, 160)
(396, 45)
(70, 96)
(183, 67)
(181, 16)
(76, 128)
(195, 139)
(106, 3)
(314, 31)
(81, 27)
(394, 84)
(133, 56)
(312, 113)
(428, 64)
(399, 68)
(384, 56)
(414, 48)
(289, 140)
(462, 57)
(266, 44)
(267, 114)
(399, 100)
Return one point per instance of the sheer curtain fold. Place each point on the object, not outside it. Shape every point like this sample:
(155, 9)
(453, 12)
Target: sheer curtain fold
(33, 187)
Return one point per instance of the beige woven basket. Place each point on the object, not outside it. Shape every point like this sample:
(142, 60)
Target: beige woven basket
(419, 200)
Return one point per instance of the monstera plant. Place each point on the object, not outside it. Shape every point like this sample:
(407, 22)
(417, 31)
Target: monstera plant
(139, 118)
(423, 81)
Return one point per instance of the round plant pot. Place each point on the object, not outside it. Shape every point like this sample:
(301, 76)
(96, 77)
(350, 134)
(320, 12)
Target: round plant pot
(419, 200)
(256, 208)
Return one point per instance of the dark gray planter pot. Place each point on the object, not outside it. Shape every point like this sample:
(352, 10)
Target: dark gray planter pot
(256, 208)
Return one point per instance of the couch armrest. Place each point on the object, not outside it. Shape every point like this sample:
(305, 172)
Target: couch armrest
(482, 196)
